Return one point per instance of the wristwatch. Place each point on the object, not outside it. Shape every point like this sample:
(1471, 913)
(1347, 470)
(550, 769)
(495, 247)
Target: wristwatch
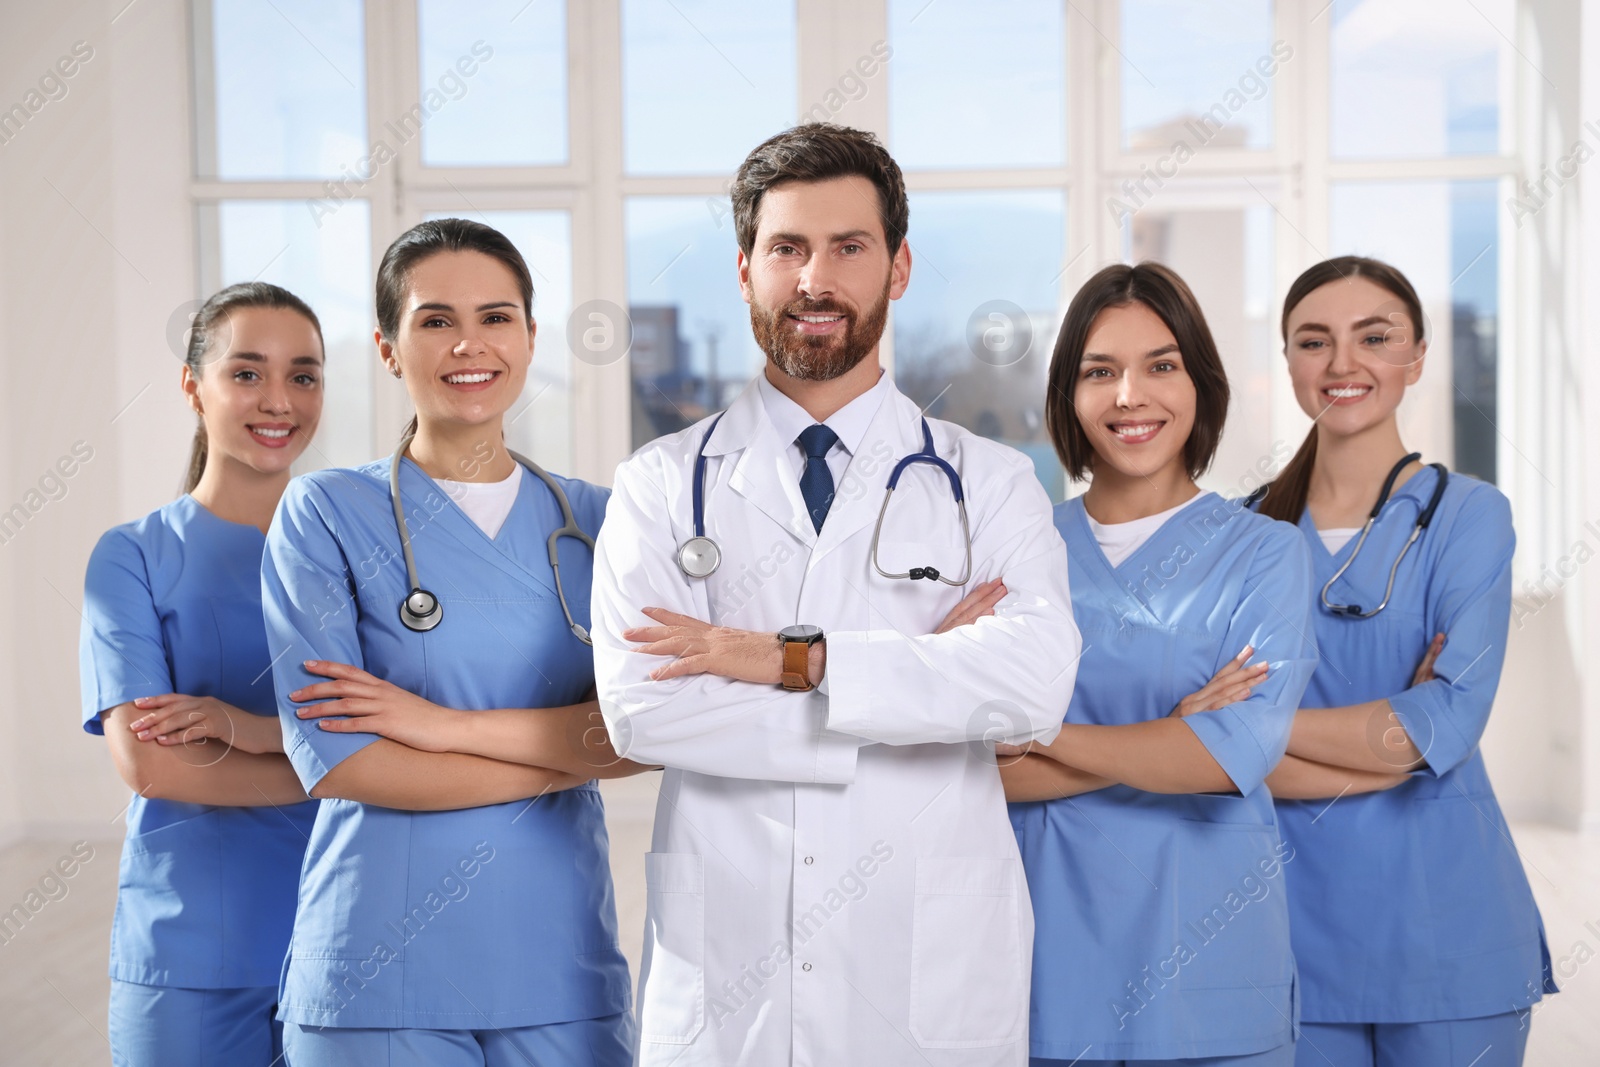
(797, 641)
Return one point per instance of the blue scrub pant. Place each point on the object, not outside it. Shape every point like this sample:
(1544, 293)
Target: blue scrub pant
(606, 1042)
(1492, 1041)
(1282, 1056)
(164, 1026)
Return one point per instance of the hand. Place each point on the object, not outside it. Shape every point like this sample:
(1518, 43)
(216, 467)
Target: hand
(975, 605)
(374, 706)
(700, 648)
(179, 719)
(1229, 685)
(1425, 668)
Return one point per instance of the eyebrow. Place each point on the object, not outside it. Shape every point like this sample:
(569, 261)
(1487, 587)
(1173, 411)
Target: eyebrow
(1370, 320)
(481, 307)
(1101, 357)
(797, 239)
(257, 357)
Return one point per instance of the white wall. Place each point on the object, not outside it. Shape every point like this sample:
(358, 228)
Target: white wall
(97, 251)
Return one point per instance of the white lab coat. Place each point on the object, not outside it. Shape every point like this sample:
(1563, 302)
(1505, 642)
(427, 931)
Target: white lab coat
(833, 877)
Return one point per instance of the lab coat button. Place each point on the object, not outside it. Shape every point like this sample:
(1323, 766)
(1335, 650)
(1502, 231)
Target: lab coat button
(809, 861)
(805, 966)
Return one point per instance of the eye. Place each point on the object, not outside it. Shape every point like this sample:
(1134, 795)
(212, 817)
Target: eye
(852, 248)
(246, 376)
(1096, 372)
(435, 320)
(1373, 339)
(1164, 365)
(306, 379)
(1310, 343)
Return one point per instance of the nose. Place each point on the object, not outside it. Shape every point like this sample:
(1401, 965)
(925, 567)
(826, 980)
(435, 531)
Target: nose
(1342, 361)
(273, 398)
(816, 277)
(1130, 390)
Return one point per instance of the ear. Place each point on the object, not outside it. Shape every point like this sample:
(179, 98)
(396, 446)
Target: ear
(391, 362)
(190, 384)
(1414, 371)
(900, 270)
(744, 276)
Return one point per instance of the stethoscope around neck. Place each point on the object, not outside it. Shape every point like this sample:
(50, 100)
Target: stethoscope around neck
(699, 556)
(420, 610)
(1353, 611)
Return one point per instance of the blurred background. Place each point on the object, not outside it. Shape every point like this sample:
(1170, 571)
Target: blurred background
(198, 143)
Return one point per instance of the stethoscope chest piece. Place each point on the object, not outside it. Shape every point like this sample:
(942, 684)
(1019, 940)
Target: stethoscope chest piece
(421, 611)
(699, 557)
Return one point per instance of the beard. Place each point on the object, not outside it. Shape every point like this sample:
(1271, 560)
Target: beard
(819, 359)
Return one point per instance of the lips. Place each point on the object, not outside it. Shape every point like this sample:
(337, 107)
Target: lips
(471, 379)
(1343, 393)
(1135, 433)
(271, 435)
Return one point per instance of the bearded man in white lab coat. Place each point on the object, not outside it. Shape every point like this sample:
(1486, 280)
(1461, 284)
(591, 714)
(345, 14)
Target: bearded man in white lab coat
(833, 878)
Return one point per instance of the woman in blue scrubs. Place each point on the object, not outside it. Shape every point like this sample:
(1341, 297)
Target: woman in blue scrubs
(1151, 847)
(1418, 938)
(175, 674)
(456, 905)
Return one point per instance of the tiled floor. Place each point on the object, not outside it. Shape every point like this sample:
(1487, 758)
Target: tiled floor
(52, 970)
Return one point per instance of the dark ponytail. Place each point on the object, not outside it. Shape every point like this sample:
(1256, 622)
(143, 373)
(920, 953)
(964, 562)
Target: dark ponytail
(1285, 497)
(209, 327)
(430, 238)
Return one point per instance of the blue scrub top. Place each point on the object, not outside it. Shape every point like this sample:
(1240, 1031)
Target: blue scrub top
(1161, 924)
(1410, 905)
(498, 916)
(172, 604)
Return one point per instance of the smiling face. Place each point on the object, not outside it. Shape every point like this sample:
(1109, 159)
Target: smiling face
(260, 392)
(464, 341)
(1133, 397)
(1352, 350)
(819, 276)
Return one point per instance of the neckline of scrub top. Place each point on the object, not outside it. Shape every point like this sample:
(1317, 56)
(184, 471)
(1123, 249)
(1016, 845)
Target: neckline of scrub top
(198, 509)
(1134, 556)
(1411, 488)
(491, 549)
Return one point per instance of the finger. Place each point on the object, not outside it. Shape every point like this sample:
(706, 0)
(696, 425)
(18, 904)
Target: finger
(681, 668)
(344, 671)
(326, 690)
(650, 633)
(673, 646)
(152, 703)
(672, 618)
(1003, 749)
(330, 707)
(346, 726)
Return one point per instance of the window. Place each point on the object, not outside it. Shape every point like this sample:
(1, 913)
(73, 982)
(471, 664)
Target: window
(1041, 140)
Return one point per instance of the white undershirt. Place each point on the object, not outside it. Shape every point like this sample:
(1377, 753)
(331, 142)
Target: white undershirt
(1119, 540)
(486, 503)
(1335, 539)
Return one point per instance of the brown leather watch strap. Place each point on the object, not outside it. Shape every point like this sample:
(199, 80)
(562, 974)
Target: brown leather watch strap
(797, 666)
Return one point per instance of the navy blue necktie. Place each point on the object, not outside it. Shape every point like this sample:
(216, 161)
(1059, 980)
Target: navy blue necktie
(816, 481)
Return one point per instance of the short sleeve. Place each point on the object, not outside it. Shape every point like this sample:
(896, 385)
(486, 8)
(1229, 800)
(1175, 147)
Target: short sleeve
(309, 605)
(121, 653)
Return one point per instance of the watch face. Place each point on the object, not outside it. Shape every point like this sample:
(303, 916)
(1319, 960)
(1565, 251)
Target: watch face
(800, 632)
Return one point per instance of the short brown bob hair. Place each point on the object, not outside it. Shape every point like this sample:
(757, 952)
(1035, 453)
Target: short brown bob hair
(1163, 292)
(815, 152)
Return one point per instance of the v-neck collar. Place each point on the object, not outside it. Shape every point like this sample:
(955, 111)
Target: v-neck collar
(1120, 571)
(495, 551)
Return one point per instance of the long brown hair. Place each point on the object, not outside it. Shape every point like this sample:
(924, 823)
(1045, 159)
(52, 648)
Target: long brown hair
(1285, 497)
(204, 334)
(430, 238)
(1160, 289)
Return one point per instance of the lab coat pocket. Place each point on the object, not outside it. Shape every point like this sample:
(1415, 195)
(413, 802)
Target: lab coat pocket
(969, 968)
(1232, 912)
(672, 1002)
(167, 895)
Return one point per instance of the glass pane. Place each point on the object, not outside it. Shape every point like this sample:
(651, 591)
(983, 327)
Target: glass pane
(1445, 237)
(1448, 62)
(327, 262)
(291, 97)
(1221, 245)
(493, 83)
(1198, 73)
(704, 82)
(974, 331)
(977, 87)
(692, 346)
(539, 425)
